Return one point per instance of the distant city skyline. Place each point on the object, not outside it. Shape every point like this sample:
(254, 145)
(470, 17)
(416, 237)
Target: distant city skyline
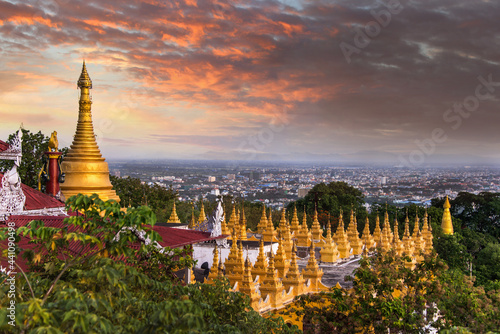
(385, 82)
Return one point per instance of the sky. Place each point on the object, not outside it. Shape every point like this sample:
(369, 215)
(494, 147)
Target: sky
(384, 82)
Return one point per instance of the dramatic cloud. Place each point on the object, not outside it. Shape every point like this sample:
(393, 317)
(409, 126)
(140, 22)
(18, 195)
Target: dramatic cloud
(321, 80)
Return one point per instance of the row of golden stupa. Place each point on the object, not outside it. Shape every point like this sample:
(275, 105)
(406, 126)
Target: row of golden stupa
(274, 280)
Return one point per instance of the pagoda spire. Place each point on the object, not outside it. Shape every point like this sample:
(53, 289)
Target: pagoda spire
(427, 234)
(174, 219)
(86, 170)
(192, 222)
(263, 220)
(243, 224)
(294, 225)
(260, 266)
(202, 216)
(446, 223)
(316, 231)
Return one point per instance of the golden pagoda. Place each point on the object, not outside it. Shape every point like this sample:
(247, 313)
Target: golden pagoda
(293, 277)
(86, 170)
(418, 240)
(312, 270)
(270, 224)
(294, 225)
(223, 226)
(202, 216)
(232, 258)
(386, 223)
(192, 222)
(174, 219)
(427, 234)
(385, 239)
(353, 236)
(263, 221)
(284, 229)
(260, 266)
(243, 225)
(238, 265)
(397, 245)
(446, 223)
(377, 233)
(304, 236)
(408, 242)
(214, 270)
(272, 286)
(248, 286)
(341, 239)
(269, 233)
(367, 237)
(232, 220)
(281, 261)
(316, 231)
(329, 252)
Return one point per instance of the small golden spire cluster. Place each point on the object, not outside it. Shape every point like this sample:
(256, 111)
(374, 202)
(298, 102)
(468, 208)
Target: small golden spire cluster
(275, 279)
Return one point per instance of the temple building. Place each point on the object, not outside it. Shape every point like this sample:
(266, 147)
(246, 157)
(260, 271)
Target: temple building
(86, 170)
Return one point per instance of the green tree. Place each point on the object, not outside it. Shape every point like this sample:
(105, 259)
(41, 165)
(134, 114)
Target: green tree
(480, 212)
(464, 305)
(386, 295)
(453, 251)
(488, 265)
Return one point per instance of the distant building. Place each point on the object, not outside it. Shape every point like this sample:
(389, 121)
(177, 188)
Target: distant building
(215, 192)
(231, 176)
(211, 179)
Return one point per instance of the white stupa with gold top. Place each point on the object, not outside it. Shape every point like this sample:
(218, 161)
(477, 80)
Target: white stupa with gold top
(86, 170)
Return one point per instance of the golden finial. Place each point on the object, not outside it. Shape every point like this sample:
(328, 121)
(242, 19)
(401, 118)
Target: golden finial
(84, 81)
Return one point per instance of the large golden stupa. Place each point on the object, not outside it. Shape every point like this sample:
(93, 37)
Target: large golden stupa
(86, 170)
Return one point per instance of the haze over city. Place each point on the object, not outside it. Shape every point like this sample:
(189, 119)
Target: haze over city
(392, 82)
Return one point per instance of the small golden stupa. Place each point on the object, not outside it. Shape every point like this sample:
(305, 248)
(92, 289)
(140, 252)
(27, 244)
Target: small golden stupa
(446, 223)
(86, 170)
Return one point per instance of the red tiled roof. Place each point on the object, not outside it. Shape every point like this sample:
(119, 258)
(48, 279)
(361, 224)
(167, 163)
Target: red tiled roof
(3, 146)
(175, 237)
(172, 237)
(36, 200)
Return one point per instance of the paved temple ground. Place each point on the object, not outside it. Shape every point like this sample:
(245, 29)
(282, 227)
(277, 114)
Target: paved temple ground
(334, 273)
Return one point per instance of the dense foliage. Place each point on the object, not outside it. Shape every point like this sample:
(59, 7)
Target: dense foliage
(84, 279)
(388, 295)
(474, 248)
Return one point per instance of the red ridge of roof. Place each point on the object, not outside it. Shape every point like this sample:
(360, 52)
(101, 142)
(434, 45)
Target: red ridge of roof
(36, 200)
(3, 146)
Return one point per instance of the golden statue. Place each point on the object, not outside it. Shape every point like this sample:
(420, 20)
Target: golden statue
(53, 143)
